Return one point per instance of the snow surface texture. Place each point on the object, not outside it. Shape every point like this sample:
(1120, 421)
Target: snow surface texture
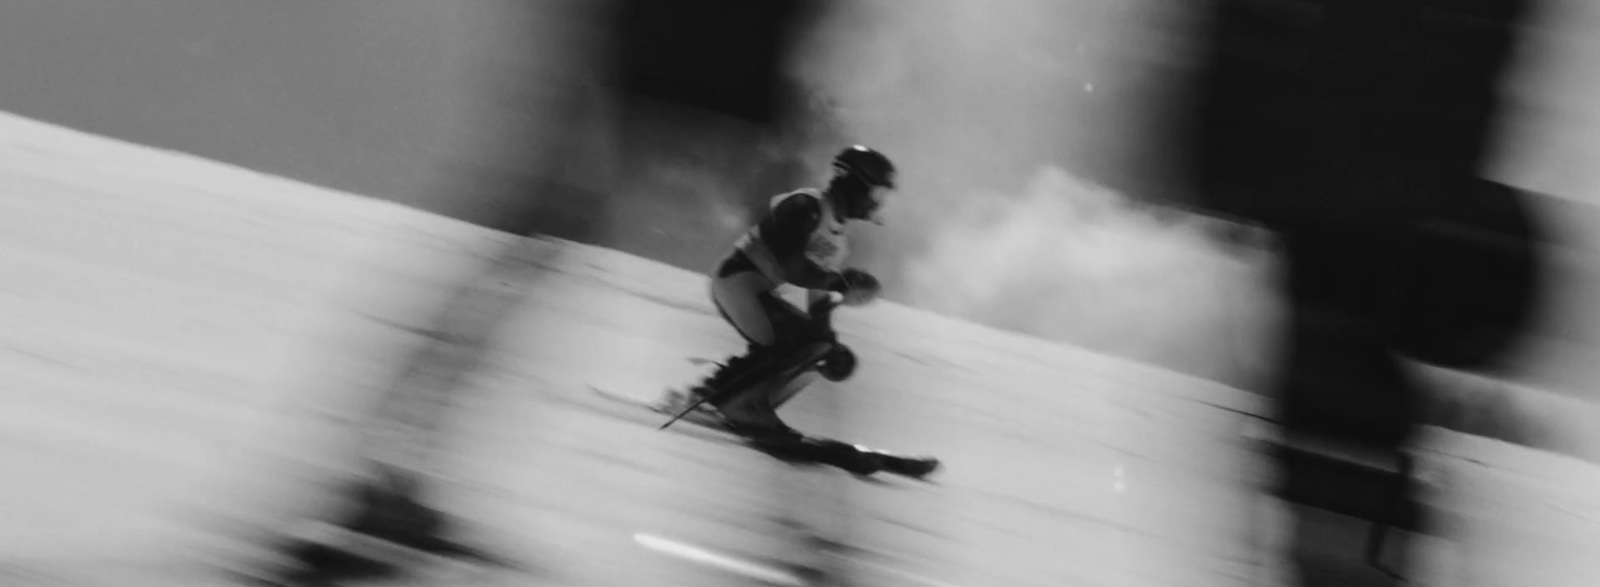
(187, 345)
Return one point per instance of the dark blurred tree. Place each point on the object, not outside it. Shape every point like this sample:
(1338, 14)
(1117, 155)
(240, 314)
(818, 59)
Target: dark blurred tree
(1357, 130)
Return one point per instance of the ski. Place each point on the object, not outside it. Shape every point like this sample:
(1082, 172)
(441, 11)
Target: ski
(853, 458)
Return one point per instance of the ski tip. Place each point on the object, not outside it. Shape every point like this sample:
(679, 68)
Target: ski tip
(919, 468)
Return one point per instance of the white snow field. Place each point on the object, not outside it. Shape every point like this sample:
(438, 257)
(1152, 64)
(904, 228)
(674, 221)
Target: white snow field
(185, 346)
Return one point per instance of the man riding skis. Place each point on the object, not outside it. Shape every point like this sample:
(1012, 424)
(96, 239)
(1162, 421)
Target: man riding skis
(800, 242)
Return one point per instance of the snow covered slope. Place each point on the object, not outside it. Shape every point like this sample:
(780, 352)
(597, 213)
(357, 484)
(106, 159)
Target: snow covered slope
(186, 344)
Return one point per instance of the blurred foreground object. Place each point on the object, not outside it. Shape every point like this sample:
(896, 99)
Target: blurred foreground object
(632, 71)
(1356, 130)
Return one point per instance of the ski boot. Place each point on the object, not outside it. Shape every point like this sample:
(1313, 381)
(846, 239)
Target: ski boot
(675, 401)
(705, 397)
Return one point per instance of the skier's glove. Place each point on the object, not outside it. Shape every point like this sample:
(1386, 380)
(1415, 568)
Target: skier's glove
(858, 287)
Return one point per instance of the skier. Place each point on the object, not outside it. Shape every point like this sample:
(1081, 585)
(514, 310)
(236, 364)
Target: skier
(800, 242)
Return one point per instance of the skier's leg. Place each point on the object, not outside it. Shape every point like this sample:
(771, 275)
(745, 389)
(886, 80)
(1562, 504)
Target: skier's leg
(774, 329)
(770, 395)
(755, 408)
(738, 296)
(782, 394)
(736, 292)
(751, 411)
(770, 324)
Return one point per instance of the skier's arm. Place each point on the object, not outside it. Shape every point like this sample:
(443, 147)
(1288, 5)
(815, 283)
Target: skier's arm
(786, 232)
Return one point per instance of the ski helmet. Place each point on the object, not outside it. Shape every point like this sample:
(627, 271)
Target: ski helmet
(864, 176)
(865, 164)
